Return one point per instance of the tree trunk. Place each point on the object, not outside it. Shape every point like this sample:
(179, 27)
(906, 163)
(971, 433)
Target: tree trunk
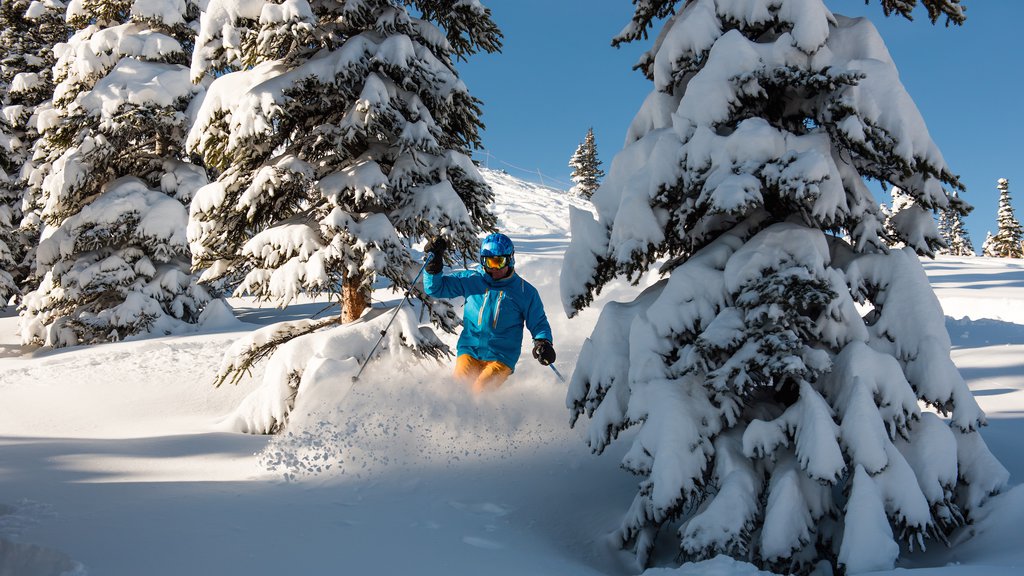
(353, 299)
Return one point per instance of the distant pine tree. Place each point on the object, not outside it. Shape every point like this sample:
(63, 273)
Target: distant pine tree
(1007, 241)
(113, 192)
(988, 246)
(958, 240)
(28, 32)
(586, 167)
(945, 231)
(342, 136)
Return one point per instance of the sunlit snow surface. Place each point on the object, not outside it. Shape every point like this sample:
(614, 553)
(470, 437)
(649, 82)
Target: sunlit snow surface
(114, 459)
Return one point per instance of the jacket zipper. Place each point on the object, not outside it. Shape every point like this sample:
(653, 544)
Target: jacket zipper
(483, 306)
(497, 308)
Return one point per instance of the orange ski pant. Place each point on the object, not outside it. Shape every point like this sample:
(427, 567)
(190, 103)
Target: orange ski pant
(480, 375)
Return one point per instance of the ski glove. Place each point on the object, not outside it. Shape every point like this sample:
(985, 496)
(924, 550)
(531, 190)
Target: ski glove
(544, 352)
(436, 247)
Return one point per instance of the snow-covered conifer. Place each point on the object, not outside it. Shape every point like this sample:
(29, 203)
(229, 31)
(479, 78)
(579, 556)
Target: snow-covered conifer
(1007, 242)
(28, 33)
(945, 224)
(10, 214)
(586, 168)
(773, 421)
(960, 243)
(945, 228)
(341, 135)
(958, 240)
(343, 140)
(987, 247)
(113, 259)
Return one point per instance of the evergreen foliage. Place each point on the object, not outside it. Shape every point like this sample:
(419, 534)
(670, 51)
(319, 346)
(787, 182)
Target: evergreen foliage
(987, 245)
(646, 12)
(28, 33)
(10, 214)
(902, 205)
(945, 230)
(774, 422)
(958, 240)
(586, 168)
(11, 247)
(340, 136)
(1008, 241)
(113, 260)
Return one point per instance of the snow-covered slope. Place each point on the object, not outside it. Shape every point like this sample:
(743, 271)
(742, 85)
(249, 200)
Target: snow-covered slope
(113, 458)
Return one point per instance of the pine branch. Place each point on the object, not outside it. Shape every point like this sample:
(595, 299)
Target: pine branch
(242, 363)
(951, 9)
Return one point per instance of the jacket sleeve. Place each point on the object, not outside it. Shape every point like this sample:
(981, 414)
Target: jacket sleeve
(536, 319)
(443, 285)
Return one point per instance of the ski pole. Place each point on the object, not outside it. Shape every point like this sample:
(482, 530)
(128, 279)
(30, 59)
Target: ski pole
(557, 373)
(430, 256)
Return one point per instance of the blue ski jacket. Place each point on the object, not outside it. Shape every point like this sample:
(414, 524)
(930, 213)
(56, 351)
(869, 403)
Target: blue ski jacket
(494, 314)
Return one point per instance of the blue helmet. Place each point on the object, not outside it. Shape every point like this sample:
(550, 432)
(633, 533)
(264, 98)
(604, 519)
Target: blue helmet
(498, 245)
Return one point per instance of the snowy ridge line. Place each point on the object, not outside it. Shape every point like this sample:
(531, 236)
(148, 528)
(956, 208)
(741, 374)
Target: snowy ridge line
(488, 156)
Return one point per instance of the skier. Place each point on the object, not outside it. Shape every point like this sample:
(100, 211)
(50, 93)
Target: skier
(498, 303)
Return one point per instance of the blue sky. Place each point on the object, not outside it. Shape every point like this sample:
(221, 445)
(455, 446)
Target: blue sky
(558, 75)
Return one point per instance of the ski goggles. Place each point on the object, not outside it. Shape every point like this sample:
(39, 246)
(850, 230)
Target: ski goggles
(495, 262)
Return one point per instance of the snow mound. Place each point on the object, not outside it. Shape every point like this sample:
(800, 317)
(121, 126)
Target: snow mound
(218, 316)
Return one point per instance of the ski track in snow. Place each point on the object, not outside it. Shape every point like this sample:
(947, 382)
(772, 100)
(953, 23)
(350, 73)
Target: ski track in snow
(26, 559)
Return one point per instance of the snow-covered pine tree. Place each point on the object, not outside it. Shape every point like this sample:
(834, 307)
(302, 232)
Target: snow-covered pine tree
(773, 422)
(1007, 242)
(586, 167)
(987, 245)
(345, 139)
(960, 243)
(10, 215)
(958, 240)
(28, 32)
(114, 259)
(945, 229)
(341, 137)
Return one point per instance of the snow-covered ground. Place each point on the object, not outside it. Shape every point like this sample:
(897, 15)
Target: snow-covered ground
(114, 459)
